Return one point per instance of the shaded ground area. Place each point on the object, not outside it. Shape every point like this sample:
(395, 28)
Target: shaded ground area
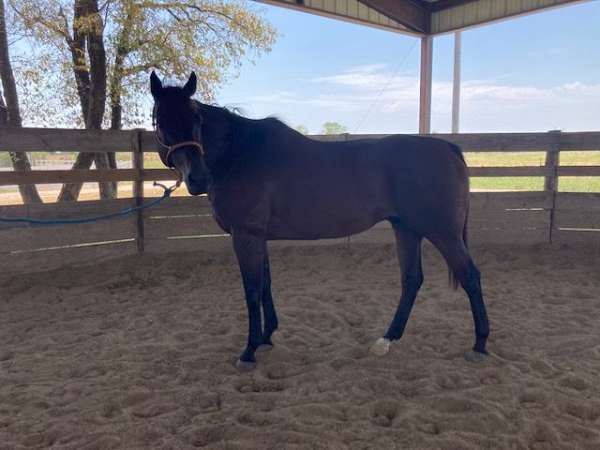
(139, 352)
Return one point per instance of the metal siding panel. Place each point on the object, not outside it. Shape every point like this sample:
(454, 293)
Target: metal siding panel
(373, 16)
(513, 5)
(352, 8)
(348, 10)
(471, 13)
(363, 12)
(396, 24)
(485, 11)
(445, 18)
(525, 5)
(435, 22)
(499, 9)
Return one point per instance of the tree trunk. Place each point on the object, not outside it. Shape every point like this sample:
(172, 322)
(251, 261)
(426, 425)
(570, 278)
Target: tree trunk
(115, 105)
(92, 91)
(97, 54)
(10, 114)
(116, 80)
(80, 69)
(70, 191)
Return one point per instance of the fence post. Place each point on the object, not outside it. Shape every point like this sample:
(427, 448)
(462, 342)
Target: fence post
(138, 185)
(551, 180)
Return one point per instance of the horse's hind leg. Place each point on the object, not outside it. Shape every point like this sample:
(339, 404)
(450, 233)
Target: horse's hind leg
(462, 266)
(268, 307)
(251, 252)
(408, 245)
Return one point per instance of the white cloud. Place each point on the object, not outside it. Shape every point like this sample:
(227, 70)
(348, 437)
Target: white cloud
(331, 102)
(372, 99)
(487, 105)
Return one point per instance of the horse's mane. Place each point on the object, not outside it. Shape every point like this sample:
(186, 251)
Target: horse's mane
(257, 129)
(236, 117)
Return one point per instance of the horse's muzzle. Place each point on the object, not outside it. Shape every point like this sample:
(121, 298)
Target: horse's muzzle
(196, 186)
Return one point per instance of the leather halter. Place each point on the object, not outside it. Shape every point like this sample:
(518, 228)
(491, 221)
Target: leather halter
(172, 148)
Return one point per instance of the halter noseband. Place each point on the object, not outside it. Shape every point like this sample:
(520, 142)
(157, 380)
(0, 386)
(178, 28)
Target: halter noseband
(172, 148)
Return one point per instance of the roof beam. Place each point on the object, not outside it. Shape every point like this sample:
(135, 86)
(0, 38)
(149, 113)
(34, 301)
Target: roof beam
(413, 14)
(445, 4)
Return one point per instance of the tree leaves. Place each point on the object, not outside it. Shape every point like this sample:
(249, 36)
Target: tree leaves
(211, 37)
(333, 128)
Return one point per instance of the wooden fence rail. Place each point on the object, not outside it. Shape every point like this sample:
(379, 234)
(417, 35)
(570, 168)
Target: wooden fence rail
(186, 223)
(136, 141)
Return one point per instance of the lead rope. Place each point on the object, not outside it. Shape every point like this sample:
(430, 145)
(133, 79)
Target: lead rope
(166, 194)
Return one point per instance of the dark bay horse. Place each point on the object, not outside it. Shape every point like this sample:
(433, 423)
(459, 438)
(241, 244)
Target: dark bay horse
(266, 182)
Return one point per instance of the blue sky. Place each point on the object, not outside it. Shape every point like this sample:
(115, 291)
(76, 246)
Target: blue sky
(533, 73)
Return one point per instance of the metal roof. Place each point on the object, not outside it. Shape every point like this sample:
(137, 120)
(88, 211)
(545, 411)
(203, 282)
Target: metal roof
(421, 17)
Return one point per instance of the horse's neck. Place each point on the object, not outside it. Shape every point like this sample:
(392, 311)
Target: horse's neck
(223, 140)
(216, 133)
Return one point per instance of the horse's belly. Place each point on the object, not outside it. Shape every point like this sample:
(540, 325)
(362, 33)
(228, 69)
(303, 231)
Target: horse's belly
(318, 226)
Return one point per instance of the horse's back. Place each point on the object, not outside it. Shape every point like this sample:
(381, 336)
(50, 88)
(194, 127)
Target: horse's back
(336, 189)
(421, 181)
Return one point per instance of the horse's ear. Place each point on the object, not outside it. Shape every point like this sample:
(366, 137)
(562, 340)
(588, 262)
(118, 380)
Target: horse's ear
(190, 87)
(155, 84)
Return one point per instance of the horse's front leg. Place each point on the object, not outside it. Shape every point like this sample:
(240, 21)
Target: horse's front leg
(251, 252)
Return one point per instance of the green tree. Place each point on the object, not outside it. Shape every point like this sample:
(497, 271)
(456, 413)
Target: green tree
(302, 129)
(333, 128)
(96, 56)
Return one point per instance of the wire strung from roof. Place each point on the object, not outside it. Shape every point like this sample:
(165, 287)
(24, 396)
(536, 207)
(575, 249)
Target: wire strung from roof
(384, 88)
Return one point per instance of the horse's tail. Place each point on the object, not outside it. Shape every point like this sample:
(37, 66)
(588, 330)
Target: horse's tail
(452, 280)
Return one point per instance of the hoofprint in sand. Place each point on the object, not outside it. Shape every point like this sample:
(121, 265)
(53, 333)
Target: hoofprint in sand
(139, 353)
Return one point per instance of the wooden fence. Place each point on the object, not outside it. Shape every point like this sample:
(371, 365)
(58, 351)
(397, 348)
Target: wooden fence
(185, 223)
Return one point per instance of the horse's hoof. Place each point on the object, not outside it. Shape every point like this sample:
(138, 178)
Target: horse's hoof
(245, 366)
(475, 357)
(264, 348)
(381, 347)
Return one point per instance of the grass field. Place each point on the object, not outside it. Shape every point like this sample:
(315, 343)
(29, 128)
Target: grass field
(502, 159)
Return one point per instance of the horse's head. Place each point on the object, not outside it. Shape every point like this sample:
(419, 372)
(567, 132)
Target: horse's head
(178, 128)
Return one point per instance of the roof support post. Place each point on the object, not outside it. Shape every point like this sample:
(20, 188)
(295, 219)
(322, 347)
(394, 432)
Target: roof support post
(456, 86)
(426, 83)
